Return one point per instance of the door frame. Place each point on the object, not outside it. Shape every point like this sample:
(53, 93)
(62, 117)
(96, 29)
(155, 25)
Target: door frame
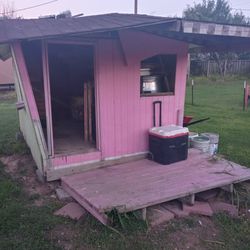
(47, 91)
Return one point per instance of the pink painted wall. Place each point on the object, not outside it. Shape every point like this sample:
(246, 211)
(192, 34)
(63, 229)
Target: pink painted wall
(124, 116)
(6, 72)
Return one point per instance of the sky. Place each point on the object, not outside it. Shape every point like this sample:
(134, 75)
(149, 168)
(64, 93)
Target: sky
(92, 7)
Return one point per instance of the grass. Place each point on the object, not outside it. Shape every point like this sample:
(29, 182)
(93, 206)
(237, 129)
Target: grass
(26, 226)
(222, 102)
(9, 126)
(234, 232)
(22, 225)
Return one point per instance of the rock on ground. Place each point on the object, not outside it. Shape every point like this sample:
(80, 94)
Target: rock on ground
(72, 210)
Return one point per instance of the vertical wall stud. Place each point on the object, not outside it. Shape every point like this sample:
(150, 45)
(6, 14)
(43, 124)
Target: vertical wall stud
(47, 97)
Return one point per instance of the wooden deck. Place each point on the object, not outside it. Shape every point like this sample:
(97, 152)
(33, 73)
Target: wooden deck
(143, 183)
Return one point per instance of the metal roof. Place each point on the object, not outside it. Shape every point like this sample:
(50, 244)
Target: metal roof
(17, 29)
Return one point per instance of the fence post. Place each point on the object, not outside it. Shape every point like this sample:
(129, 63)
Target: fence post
(244, 96)
(208, 68)
(192, 89)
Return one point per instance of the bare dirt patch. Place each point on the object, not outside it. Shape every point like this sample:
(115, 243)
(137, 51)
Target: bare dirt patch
(196, 233)
(64, 235)
(22, 169)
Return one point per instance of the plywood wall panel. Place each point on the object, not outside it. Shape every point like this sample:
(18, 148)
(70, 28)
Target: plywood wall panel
(125, 117)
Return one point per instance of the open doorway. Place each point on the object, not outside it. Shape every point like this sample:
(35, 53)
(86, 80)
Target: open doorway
(71, 72)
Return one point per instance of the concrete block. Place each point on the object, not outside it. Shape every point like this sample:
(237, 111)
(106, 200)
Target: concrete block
(72, 210)
(175, 207)
(207, 195)
(200, 208)
(190, 199)
(219, 206)
(157, 215)
(62, 195)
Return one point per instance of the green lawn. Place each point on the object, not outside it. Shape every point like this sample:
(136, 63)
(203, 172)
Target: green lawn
(9, 125)
(23, 225)
(222, 102)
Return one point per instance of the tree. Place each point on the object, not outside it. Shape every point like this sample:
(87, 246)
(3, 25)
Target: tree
(215, 11)
(7, 10)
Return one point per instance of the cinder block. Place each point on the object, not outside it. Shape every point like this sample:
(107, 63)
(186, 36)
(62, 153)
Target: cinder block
(72, 210)
(207, 195)
(200, 208)
(157, 215)
(175, 207)
(62, 195)
(219, 206)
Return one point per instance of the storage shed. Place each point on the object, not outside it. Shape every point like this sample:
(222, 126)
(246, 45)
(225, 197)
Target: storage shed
(84, 85)
(86, 88)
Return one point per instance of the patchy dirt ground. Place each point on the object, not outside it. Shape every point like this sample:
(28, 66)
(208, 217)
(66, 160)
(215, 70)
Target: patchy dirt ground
(65, 235)
(22, 169)
(195, 233)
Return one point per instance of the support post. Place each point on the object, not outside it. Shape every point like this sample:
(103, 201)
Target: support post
(208, 68)
(144, 214)
(192, 91)
(47, 97)
(244, 95)
(136, 7)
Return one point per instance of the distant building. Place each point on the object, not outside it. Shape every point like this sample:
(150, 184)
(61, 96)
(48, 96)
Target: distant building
(6, 74)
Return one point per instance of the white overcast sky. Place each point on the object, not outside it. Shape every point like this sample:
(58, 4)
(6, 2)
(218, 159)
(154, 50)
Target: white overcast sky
(91, 7)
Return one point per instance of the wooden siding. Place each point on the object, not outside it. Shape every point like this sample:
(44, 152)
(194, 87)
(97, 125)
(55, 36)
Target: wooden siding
(61, 161)
(124, 115)
(28, 117)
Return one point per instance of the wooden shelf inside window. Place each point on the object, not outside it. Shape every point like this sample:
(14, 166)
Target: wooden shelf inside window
(157, 94)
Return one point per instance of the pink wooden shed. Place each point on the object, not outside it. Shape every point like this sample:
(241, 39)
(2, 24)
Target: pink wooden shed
(83, 84)
(80, 95)
(86, 88)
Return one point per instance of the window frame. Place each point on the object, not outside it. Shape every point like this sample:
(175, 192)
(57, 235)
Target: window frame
(168, 93)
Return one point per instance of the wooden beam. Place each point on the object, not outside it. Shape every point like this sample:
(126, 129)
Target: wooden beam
(144, 213)
(47, 98)
(136, 7)
(57, 172)
(102, 217)
(85, 111)
(90, 92)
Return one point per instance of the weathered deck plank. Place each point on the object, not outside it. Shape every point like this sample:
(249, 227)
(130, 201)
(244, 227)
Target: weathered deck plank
(144, 183)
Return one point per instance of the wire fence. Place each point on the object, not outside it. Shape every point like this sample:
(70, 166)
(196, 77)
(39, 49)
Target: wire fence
(207, 68)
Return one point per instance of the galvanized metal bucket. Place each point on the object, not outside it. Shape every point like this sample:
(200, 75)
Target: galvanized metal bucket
(202, 143)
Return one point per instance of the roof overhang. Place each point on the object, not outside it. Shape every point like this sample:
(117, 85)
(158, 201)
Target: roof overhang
(206, 35)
